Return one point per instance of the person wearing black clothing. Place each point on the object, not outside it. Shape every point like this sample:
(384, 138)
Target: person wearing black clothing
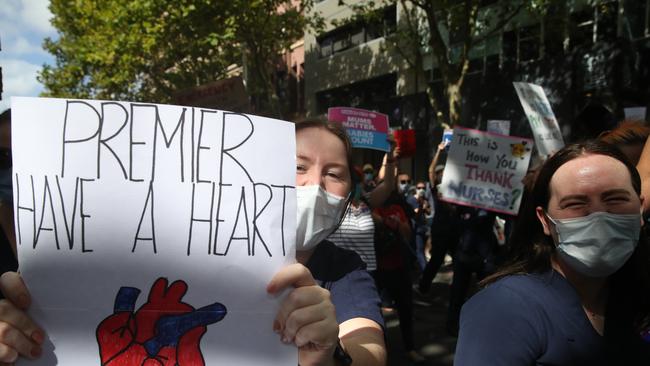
(7, 234)
(445, 233)
(475, 254)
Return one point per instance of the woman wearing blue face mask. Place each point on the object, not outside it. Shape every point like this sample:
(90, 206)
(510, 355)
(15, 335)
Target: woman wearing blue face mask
(577, 291)
(332, 311)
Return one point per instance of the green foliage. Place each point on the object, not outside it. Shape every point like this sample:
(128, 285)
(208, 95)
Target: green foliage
(448, 30)
(148, 49)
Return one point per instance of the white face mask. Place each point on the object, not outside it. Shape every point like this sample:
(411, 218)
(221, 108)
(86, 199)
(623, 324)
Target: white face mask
(599, 244)
(318, 212)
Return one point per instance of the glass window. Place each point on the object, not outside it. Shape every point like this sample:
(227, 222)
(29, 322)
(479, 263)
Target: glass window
(326, 46)
(528, 43)
(355, 34)
(606, 15)
(582, 28)
(637, 15)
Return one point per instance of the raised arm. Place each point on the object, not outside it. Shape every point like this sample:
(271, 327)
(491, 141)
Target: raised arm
(380, 194)
(434, 162)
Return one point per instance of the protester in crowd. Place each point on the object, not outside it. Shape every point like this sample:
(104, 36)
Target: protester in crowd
(332, 307)
(643, 166)
(392, 235)
(445, 227)
(7, 230)
(403, 183)
(629, 137)
(417, 199)
(368, 182)
(577, 291)
(475, 255)
(357, 231)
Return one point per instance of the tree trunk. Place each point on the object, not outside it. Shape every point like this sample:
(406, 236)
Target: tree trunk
(454, 98)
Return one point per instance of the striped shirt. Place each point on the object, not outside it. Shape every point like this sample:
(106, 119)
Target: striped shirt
(357, 232)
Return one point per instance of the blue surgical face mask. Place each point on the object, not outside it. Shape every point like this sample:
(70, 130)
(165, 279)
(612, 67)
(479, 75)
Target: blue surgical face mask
(6, 192)
(368, 176)
(599, 244)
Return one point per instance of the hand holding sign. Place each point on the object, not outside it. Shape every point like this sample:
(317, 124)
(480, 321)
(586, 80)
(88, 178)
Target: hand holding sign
(20, 335)
(306, 316)
(163, 331)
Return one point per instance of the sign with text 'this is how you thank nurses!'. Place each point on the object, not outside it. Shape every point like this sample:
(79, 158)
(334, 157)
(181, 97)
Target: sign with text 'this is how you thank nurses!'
(485, 170)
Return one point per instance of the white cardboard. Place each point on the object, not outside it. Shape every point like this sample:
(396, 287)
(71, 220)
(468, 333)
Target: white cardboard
(501, 127)
(546, 130)
(635, 113)
(485, 170)
(89, 232)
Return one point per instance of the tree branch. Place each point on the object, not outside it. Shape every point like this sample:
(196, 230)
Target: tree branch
(437, 44)
(501, 24)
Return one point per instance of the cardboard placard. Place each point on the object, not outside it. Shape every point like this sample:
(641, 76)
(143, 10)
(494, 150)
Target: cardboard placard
(548, 137)
(147, 227)
(367, 129)
(485, 170)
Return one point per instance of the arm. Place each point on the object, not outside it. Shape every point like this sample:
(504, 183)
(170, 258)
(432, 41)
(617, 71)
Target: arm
(393, 153)
(380, 194)
(306, 316)
(644, 171)
(434, 162)
(363, 339)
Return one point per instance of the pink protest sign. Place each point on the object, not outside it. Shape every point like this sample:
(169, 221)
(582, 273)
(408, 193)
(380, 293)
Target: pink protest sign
(367, 129)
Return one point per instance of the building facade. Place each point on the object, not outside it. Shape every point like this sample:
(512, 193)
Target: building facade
(591, 57)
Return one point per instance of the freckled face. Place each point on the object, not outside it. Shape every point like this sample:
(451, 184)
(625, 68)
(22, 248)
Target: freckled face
(321, 160)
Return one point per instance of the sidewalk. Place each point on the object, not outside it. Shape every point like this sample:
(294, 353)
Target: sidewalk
(431, 338)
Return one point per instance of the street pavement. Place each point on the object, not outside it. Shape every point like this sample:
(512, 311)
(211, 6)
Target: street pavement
(431, 339)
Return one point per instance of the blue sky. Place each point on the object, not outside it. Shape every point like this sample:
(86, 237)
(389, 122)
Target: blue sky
(23, 26)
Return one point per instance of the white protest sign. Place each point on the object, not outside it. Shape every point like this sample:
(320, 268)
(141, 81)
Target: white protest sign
(485, 170)
(148, 233)
(635, 113)
(546, 130)
(501, 127)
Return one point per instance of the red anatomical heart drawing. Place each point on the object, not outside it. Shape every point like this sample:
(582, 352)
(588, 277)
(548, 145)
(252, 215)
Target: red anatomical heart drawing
(164, 331)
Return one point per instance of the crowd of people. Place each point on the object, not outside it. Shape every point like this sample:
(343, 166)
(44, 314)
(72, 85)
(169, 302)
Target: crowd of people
(570, 285)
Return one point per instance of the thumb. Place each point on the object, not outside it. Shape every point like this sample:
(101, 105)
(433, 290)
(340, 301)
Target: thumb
(14, 289)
